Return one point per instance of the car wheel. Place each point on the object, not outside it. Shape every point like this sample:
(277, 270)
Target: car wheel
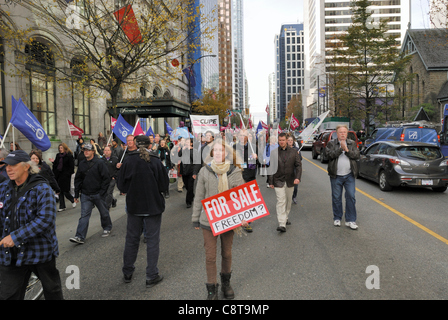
(382, 181)
(323, 159)
(313, 153)
(439, 189)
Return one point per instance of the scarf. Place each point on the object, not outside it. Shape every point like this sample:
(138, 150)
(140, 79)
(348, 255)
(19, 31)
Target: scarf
(61, 161)
(221, 170)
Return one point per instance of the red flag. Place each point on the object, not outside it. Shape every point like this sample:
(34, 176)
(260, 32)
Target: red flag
(138, 130)
(294, 122)
(264, 125)
(113, 121)
(267, 109)
(74, 130)
(128, 22)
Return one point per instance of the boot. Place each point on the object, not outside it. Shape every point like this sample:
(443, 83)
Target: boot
(226, 288)
(212, 290)
(167, 194)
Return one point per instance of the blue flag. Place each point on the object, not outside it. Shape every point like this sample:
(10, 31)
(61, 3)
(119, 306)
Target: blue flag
(25, 121)
(122, 129)
(150, 132)
(259, 127)
(168, 128)
(189, 73)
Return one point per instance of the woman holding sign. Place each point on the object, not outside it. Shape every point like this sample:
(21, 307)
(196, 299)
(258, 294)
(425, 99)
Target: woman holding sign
(220, 173)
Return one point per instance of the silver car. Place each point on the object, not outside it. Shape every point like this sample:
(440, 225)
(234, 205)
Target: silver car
(308, 144)
(401, 163)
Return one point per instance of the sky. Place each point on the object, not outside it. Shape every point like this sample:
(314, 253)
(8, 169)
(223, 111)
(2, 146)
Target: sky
(262, 21)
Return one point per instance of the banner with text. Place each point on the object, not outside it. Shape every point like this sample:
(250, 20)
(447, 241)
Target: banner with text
(202, 124)
(226, 210)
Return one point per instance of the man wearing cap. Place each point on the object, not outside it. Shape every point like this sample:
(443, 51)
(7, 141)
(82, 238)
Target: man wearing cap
(28, 230)
(143, 178)
(91, 181)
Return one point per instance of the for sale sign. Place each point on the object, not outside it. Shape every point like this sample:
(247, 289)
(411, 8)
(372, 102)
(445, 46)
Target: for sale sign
(226, 210)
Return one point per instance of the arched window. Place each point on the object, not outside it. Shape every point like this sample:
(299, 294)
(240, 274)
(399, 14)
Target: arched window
(80, 96)
(40, 64)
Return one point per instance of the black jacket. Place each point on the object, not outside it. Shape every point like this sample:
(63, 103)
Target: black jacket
(92, 177)
(111, 165)
(143, 182)
(334, 150)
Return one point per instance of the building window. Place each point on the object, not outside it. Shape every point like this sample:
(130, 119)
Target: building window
(42, 85)
(80, 97)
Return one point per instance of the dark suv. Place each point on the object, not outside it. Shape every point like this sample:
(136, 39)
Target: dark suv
(321, 141)
(406, 132)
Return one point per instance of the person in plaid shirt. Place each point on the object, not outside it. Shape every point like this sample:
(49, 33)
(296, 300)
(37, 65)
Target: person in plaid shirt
(28, 230)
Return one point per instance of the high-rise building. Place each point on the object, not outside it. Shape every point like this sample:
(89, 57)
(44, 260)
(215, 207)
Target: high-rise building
(324, 21)
(239, 95)
(210, 45)
(289, 65)
(225, 49)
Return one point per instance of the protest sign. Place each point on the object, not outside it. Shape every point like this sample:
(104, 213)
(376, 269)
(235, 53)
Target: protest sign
(226, 210)
(202, 124)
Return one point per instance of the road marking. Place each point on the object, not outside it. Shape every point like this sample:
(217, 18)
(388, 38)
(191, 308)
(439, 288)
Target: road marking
(415, 223)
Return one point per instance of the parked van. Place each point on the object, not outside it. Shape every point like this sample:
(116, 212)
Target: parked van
(405, 132)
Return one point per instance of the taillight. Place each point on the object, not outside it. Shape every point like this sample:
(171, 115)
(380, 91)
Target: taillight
(399, 162)
(438, 137)
(402, 137)
(444, 163)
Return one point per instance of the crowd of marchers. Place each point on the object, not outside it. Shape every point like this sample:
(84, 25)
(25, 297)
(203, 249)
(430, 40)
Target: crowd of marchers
(141, 170)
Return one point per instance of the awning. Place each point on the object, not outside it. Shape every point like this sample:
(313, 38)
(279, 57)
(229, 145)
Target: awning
(149, 107)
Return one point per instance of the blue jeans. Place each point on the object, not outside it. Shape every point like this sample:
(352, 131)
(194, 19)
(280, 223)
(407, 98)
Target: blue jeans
(337, 184)
(87, 202)
(134, 228)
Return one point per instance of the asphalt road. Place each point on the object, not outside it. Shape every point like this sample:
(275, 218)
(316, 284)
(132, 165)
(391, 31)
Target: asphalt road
(402, 233)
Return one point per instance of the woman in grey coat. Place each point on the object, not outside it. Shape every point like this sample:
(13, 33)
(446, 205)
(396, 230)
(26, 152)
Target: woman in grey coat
(221, 172)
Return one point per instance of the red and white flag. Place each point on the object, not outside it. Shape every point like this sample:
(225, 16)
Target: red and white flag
(294, 122)
(74, 130)
(113, 121)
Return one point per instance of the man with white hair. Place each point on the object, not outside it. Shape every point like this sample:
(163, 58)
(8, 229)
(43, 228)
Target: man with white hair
(343, 169)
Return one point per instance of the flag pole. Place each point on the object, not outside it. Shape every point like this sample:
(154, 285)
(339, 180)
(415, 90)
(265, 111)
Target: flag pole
(124, 152)
(4, 137)
(70, 134)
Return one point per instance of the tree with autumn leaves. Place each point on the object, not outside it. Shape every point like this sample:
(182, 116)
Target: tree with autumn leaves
(365, 60)
(110, 45)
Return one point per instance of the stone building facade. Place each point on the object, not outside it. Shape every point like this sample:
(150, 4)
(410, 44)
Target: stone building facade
(428, 69)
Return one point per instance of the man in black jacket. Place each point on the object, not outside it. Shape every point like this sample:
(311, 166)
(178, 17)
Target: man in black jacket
(91, 181)
(143, 179)
(343, 170)
(111, 162)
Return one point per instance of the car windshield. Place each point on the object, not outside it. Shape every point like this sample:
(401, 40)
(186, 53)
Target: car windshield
(420, 152)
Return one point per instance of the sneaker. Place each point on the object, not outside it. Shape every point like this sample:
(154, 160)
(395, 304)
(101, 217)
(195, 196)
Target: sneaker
(63, 209)
(153, 282)
(352, 225)
(106, 233)
(294, 200)
(77, 240)
(127, 278)
(337, 223)
(74, 204)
